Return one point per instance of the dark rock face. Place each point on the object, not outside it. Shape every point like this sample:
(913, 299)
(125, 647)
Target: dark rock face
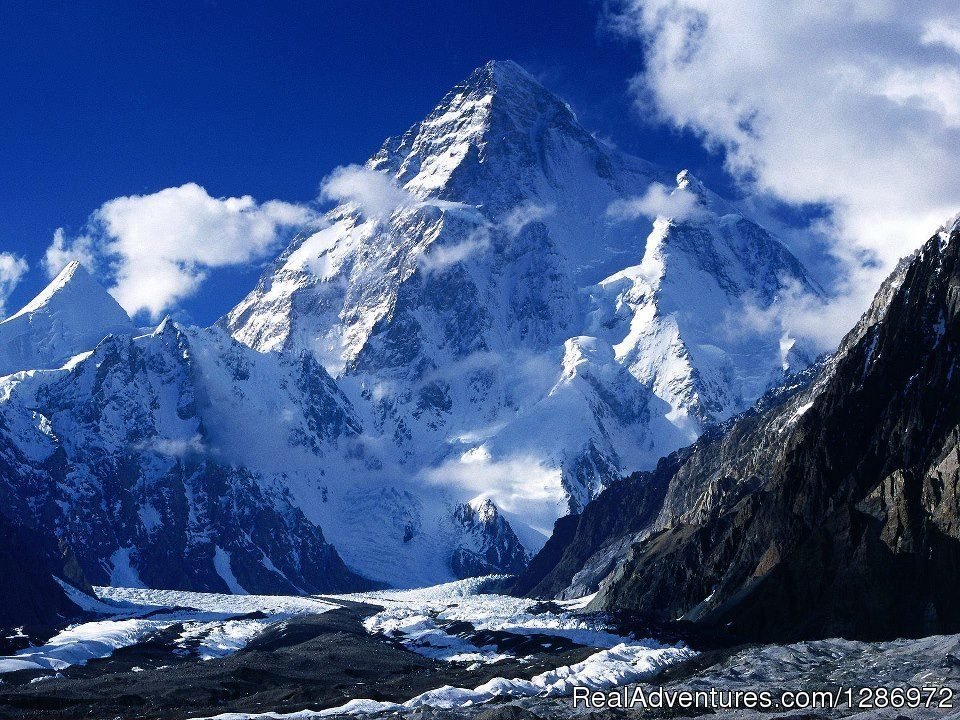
(834, 512)
(846, 523)
(29, 595)
(585, 548)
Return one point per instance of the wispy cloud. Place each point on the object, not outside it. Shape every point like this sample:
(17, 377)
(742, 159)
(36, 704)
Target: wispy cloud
(942, 31)
(520, 485)
(657, 201)
(64, 250)
(440, 257)
(176, 447)
(519, 217)
(375, 194)
(12, 270)
(798, 314)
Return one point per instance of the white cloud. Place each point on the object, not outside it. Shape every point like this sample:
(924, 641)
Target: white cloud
(440, 257)
(796, 313)
(853, 104)
(176, 447)
(657, 201)
(375, 194)
(64, 250)
(160, 247)
(519, 485)
(522, 215)
(12, 270)
(942, 32)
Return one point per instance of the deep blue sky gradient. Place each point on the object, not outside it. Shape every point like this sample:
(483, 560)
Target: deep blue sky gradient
(113, 98)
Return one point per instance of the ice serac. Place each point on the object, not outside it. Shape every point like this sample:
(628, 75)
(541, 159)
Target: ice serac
(830, 509)
(505, 323)
(71, 315)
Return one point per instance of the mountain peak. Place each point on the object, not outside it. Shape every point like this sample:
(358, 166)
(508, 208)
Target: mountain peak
(70, 315)
(73, 279)
(500, 111)
(687, 181)
(166, 325)
(502, 74)
(516, 92)
(950, 226)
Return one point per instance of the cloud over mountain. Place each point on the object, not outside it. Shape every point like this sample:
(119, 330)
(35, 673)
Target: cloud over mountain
(852, 104)
(158, 248)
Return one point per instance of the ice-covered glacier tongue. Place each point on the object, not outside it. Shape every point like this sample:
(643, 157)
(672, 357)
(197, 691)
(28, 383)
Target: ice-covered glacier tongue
(71, 315)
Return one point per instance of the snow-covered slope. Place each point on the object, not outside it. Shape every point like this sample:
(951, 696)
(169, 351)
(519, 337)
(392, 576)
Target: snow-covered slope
(183, 459)
(71, 315)
(134, 454)
(677, 319)
(503, 322)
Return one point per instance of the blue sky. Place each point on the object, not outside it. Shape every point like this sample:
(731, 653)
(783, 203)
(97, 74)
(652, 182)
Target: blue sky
(836, 124)
(118, 98)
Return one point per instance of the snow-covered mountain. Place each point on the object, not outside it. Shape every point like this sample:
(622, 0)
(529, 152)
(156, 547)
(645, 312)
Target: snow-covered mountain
(483, 336)
(183, 459)
(132, 454)
(70, 316)
(504, 321)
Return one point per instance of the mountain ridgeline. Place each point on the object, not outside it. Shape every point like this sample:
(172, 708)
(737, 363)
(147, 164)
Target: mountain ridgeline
(510, 318)
(832, 510)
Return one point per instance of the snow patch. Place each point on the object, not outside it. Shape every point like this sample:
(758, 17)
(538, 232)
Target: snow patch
(215, 602)
(620, 665)
(123, 573)
(211, 626)
(221, 562)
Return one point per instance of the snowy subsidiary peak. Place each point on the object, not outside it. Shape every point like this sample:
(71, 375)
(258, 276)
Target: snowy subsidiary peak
(801, 518)
(153, 458)
(73, 284)
(686, 181)
(72, 314)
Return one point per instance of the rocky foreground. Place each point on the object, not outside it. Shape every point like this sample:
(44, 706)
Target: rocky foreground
(458, 650)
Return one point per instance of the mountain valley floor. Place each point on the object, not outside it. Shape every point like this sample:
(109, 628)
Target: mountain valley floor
(456, 650)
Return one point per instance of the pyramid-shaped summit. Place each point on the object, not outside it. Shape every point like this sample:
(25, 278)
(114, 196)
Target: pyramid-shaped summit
(69, 316)
(452, 320)
(501, 123)
(513, 91)
(507, 179)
